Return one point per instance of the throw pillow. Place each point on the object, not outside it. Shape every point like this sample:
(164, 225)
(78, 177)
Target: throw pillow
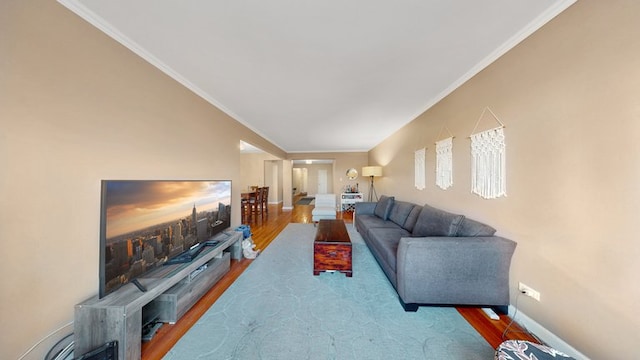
(400, 211)
(383, 207)
(470, 227)
(412, 218)
(436, 222)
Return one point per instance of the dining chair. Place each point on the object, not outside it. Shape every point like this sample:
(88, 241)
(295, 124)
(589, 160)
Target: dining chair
(245, 208)
(265, 199)
(255, 201)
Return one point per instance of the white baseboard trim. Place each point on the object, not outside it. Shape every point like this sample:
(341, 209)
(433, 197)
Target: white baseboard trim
(545, 335)
(287, 208)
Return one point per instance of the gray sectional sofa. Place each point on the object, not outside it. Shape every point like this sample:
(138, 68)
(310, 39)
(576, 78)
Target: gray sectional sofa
(433, 257)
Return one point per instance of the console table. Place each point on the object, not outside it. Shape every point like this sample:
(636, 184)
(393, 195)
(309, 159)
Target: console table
(348, 201)
(171, 291)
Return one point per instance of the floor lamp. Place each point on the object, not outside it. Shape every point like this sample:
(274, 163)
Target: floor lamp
(372, 171)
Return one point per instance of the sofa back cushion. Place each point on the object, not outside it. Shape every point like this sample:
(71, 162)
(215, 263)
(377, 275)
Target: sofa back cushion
(400, 211)
(436, 222)
(470, 227)
(383, 207)
(412, 218)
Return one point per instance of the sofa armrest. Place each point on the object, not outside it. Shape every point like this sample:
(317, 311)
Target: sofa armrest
(454, 270)
(365, 208)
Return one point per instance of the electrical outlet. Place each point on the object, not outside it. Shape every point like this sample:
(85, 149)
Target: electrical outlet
(529, 291)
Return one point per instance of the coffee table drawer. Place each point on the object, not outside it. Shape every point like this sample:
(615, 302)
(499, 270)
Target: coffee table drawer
(331, 256)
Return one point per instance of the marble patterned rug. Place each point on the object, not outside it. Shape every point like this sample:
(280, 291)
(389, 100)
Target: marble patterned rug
(277, 309)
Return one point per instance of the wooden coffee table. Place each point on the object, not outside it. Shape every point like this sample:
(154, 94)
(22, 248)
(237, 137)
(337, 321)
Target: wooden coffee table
(332, 248)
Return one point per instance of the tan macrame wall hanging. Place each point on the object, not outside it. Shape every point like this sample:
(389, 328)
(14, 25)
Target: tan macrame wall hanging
(444, 161)
(420, 172)
(488, 161)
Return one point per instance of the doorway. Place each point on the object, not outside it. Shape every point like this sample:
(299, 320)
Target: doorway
(313, 176)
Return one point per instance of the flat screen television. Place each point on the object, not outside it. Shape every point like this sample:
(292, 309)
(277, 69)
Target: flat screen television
(146, 223)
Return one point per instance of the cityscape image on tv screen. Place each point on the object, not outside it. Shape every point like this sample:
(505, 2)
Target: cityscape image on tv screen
(146, 222)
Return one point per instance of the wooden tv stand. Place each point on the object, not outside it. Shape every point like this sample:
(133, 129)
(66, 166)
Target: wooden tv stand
(171, 289)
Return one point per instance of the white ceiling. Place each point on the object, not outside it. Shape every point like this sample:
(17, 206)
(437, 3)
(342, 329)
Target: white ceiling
(324, 75)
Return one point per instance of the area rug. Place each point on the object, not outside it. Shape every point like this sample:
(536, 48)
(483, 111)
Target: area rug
(305, 201)
(277, 309)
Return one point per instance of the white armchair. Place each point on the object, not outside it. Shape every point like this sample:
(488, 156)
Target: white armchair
(325, 207)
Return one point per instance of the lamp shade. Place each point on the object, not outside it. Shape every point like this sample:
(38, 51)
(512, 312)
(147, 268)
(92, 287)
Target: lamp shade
(372, 171)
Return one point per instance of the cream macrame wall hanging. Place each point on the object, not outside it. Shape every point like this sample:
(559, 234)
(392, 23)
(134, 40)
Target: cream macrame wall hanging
(444, 162)
(420, 173)
(488, 161)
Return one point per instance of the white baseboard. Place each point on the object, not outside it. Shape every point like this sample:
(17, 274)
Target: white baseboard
(545, 335)
(287, 208)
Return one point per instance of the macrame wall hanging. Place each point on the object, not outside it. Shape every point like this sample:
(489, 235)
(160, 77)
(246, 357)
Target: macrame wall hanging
(488, 161)
(444, 161)
(420, 173)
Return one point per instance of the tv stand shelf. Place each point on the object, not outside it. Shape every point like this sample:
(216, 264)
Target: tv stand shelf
(118, 316)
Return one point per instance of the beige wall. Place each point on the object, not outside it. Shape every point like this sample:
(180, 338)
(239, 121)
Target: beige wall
(570, 99)
(274, 180)
(252, 170)
(76, 107)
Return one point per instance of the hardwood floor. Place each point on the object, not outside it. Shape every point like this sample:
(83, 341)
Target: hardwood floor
(265, 228)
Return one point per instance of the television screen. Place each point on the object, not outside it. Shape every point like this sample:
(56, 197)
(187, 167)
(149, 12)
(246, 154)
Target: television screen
(144, 223)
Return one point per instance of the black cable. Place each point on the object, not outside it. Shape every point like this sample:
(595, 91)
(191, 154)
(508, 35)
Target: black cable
(61, 353)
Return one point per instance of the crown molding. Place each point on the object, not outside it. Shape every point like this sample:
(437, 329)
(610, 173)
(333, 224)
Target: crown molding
(525, 32)
(92, 18)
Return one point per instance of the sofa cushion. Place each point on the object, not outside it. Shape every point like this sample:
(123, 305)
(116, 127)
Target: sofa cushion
(470, 227)
(383, 207)
(412, 218)
(385, 241)
(436, 222)
(400, 211)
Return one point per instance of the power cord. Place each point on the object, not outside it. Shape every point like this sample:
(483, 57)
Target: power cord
(513, 318)
(44, 339)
